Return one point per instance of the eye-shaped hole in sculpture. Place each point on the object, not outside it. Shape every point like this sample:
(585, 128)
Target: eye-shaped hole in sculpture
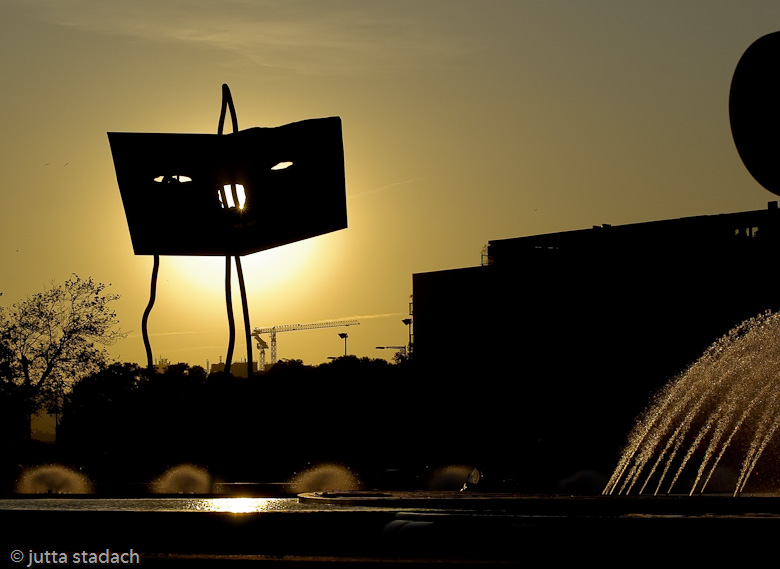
(282, 166)
(230, 199)
(172, 179)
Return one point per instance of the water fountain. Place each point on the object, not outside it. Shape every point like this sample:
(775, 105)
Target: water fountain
(326, 476)
(721, 414)
(53, 479)
(182, 479)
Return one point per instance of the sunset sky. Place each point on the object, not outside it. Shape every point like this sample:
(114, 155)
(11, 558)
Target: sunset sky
(463, 122)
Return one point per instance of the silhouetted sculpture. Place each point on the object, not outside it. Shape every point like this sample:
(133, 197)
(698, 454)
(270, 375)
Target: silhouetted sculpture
(202, 194)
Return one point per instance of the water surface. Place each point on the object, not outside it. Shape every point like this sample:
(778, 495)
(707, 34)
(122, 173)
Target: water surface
(191, 504)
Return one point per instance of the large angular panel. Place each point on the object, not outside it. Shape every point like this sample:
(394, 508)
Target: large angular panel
(232, 194)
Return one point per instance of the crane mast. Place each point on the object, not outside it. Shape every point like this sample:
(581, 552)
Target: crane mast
(274, 330)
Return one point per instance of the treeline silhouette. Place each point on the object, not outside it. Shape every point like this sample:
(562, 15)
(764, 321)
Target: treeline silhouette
(124, 426)
(391, 424)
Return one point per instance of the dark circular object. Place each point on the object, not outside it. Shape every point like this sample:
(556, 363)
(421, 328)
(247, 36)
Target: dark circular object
(754, 110)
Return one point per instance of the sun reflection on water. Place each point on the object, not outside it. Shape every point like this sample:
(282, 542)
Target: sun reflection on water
(236, 505)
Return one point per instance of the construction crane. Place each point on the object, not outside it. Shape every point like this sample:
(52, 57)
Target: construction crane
(274, 330)
(262, 346)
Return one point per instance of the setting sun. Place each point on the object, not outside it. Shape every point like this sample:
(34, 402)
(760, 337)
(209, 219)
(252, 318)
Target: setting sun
(266, 273)
(233, 198)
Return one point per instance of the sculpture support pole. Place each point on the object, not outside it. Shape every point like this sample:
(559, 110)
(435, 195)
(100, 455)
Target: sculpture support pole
(244, 304)
(231, 322)
(227, 103)
(145, 319)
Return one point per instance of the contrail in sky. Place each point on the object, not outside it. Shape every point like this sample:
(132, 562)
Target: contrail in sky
(180, 333)
(383, 188)
(356, 317)
(367, 316)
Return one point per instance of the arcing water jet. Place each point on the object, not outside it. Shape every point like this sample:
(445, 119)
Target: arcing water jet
(724, 411)
(183, 479)
(326, 476)
(53, 479)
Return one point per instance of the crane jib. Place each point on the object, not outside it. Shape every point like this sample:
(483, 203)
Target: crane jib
(273, 330)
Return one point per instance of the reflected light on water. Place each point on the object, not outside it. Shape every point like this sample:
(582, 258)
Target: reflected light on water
(235, 505)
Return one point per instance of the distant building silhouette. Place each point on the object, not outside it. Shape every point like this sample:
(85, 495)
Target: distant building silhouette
(162, 365)
(589, 323)
(238, 369)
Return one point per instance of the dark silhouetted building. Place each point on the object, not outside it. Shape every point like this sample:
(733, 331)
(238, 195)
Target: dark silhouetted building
(557, 342)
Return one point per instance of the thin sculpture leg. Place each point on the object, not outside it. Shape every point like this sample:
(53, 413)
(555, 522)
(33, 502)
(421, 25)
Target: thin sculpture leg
(145, 319)
(231, 322)
(245, 307)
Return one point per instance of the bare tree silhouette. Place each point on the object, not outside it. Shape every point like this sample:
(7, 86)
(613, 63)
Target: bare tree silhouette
(52, 339)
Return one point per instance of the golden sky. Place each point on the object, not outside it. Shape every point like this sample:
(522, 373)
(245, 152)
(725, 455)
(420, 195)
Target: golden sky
(462, 121)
